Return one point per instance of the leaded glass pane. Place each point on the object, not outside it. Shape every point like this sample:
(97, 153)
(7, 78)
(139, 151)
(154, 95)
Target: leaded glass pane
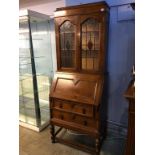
(67, 44)
(90, 45)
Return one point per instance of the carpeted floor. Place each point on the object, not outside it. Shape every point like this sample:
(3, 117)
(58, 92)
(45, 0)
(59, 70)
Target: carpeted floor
(34, 143)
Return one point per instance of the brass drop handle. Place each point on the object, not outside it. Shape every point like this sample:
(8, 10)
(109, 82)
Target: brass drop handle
(85, 123)
(61, 105)
(73, 105)
(84, 111)
(73, 116)
(62, 117)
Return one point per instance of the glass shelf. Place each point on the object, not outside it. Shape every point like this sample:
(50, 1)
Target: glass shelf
(24, 48)
(25, 57)
(33, 39)
(23, 33)
(21, 78)
(24, 64)
(22, 57)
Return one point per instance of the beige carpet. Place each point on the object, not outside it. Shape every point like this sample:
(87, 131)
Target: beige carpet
(34, 143)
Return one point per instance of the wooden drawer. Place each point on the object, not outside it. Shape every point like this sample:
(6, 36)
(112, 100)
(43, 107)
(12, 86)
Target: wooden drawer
(73, 107)
(74, 118)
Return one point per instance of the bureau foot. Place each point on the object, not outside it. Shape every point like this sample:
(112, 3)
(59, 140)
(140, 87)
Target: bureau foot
(97, 146)
(52, 133)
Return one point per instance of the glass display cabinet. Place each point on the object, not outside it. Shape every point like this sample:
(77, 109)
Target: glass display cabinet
(35, 69)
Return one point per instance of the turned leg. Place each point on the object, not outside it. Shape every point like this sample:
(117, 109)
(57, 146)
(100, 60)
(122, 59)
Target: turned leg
(53, 133)
(97, 146)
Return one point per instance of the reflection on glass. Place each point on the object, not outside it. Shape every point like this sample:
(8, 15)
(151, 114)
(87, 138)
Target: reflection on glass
(67, 42)
(42, 58)
(90, 45)
(26, 97)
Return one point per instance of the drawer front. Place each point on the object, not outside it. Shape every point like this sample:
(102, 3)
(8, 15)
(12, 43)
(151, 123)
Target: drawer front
(84, 121)
(75, 119)
(73, 107)
(61, 115)
(60, 104)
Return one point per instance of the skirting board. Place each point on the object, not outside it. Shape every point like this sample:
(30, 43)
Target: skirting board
(116, 129)
(32, 127)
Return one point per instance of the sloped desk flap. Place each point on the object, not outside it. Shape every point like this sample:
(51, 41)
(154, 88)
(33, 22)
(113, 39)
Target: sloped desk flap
(77, 87)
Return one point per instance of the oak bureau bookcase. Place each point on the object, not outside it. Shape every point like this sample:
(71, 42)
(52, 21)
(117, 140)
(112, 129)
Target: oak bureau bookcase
(77, 88)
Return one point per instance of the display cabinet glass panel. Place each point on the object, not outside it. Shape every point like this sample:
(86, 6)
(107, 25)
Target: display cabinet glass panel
(35, 68)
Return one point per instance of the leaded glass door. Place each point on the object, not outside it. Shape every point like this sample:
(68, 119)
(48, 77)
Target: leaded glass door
(81, 43)
(92, 47)
(67, 47)
(67, 44)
